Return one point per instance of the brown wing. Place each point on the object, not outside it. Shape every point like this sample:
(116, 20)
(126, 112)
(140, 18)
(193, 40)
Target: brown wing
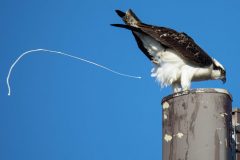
(181, 42)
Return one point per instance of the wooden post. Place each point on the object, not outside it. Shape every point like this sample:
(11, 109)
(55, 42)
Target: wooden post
(197, 125)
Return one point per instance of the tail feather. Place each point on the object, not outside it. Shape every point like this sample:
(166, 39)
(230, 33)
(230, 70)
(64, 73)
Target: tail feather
(131, 14)
(120, 13)
(132, 28)
(129, 17)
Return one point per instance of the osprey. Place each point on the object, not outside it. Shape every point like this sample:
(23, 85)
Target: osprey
(177, 58)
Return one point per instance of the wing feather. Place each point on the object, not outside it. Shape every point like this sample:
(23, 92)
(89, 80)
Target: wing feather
(181, 42)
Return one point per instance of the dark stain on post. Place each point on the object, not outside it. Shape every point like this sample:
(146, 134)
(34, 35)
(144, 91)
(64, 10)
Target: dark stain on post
(186, 154)
(193, 118)
(217, 146)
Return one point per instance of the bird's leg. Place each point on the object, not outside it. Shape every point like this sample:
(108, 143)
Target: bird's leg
(176, 87)
(186, 79)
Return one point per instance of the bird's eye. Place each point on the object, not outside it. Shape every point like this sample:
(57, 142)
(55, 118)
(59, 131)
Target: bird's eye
(223, 71)
(215, 67)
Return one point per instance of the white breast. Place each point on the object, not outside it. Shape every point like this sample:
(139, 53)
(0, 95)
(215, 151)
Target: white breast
(169, 67)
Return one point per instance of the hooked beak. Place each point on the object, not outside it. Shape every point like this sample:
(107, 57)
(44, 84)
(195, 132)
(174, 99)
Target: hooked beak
(224, 80)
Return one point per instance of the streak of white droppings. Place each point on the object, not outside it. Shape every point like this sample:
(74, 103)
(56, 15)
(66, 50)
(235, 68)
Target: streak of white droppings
(167, 137)
(165, 105)
(180, 135)
(63, 54)
(223, 114)
(165, 116)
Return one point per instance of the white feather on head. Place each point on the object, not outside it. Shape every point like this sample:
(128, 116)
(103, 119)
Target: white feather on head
(218, 64)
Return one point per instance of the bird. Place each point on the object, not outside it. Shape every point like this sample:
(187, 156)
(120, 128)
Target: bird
(177, 59)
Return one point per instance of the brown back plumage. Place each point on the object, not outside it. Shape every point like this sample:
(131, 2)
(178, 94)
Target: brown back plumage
(183, 44)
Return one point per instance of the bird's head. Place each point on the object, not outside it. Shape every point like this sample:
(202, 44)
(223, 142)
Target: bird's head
(218, 71)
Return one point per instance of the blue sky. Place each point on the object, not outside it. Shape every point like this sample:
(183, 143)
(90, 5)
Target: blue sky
(62, 108)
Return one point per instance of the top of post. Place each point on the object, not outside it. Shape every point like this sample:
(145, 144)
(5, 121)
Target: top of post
(198, 90)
